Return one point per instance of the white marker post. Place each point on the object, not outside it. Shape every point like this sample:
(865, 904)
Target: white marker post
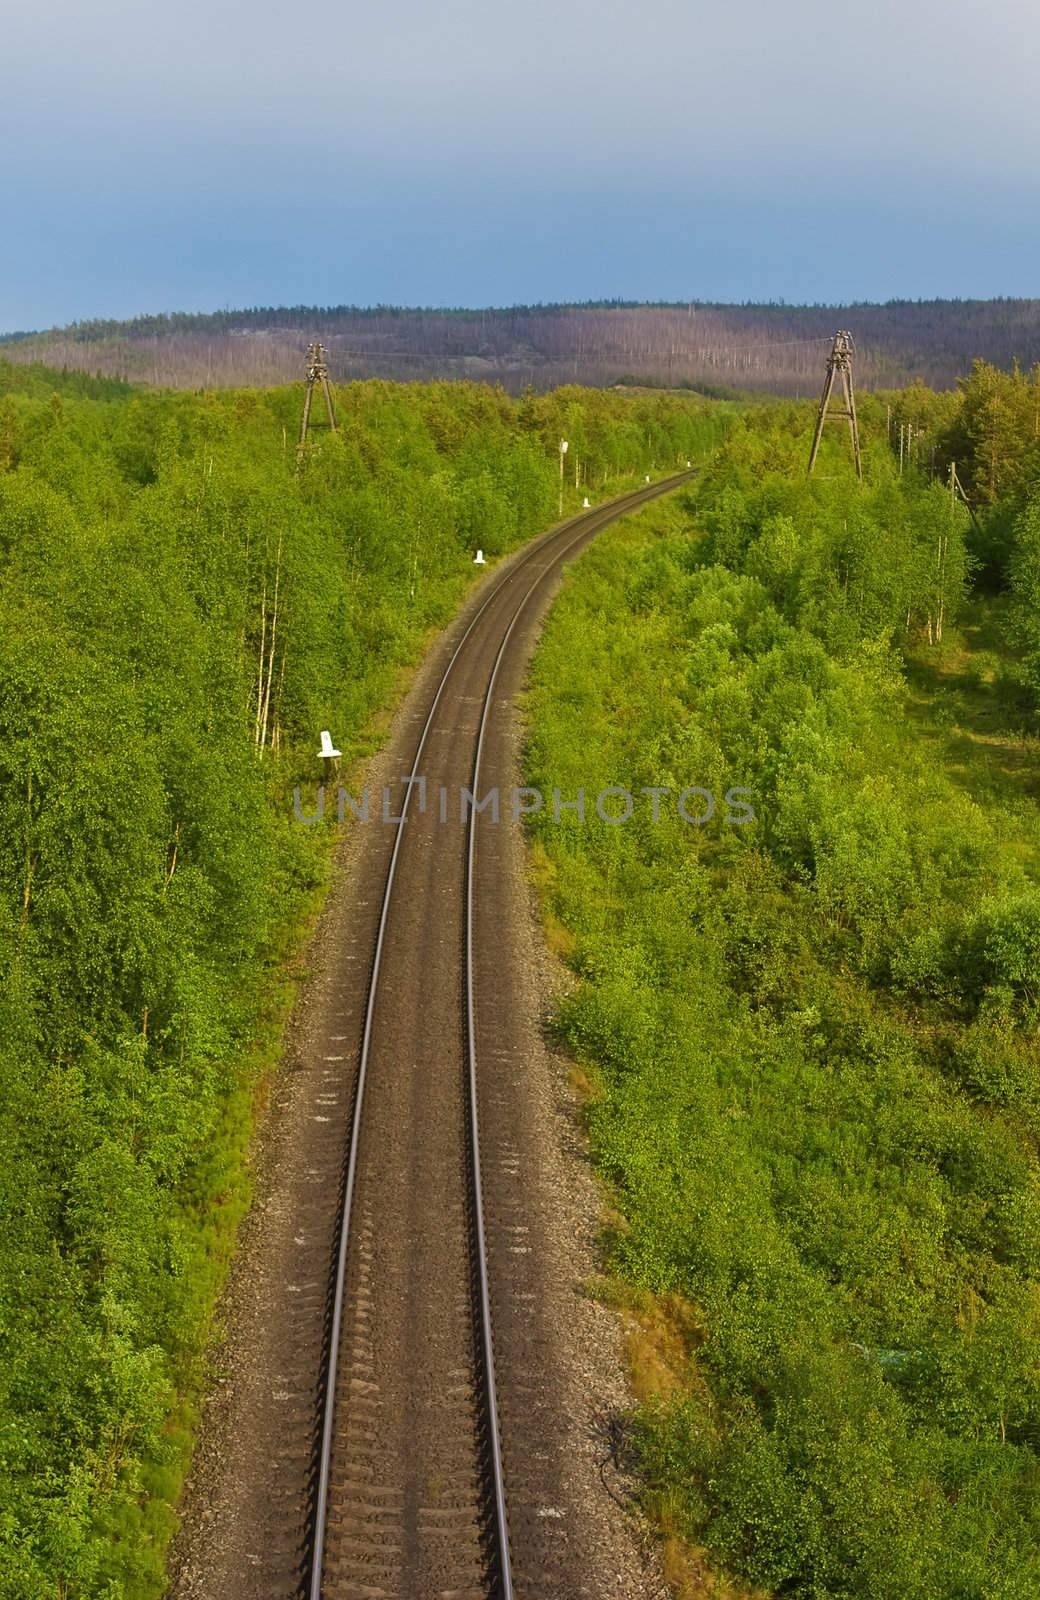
(478, 559)
(328, 751)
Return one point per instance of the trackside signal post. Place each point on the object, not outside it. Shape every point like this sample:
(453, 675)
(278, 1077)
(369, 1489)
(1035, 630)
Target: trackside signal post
(839, 364)
(317, 372)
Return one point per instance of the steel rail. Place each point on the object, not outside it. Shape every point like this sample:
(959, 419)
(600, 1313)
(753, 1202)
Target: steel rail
(497, 1465)
(591, 523)
(498, 1469)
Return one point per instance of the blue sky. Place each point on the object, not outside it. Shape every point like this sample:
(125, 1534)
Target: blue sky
(224, 154)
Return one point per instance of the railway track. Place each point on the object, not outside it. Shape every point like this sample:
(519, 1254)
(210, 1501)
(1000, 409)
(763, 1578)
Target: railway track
(429, 1479)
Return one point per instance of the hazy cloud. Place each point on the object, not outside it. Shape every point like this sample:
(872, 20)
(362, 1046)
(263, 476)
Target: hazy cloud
(490, 152)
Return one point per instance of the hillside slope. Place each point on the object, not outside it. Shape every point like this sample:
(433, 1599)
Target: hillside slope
(777, 348)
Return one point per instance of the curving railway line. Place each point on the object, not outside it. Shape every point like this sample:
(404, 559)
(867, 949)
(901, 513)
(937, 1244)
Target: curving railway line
(415, 1417)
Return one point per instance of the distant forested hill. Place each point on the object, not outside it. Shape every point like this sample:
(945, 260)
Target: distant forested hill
(765, 347)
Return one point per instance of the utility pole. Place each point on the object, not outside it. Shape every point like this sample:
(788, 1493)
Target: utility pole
(563, 451)
(317, 372)
(839, 364)
(957, 488)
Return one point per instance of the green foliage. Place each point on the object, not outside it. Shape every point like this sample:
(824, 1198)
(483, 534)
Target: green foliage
(181, 611)
(41, 382)
(994, 435)
(814, 1034)
(991, 432)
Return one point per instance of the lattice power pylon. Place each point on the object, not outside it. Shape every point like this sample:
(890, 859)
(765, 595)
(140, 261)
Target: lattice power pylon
(317, 372)
(839, 364)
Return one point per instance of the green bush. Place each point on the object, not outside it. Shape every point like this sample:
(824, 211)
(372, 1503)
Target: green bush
(813, 1037)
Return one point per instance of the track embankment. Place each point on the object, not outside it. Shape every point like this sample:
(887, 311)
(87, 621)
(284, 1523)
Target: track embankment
(408, 1400)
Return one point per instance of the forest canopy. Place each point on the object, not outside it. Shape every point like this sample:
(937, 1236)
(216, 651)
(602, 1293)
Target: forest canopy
(776, 348)
(810, 1040)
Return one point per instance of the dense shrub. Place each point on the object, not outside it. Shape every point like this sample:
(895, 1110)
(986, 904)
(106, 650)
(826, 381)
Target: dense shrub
(813, 1035)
